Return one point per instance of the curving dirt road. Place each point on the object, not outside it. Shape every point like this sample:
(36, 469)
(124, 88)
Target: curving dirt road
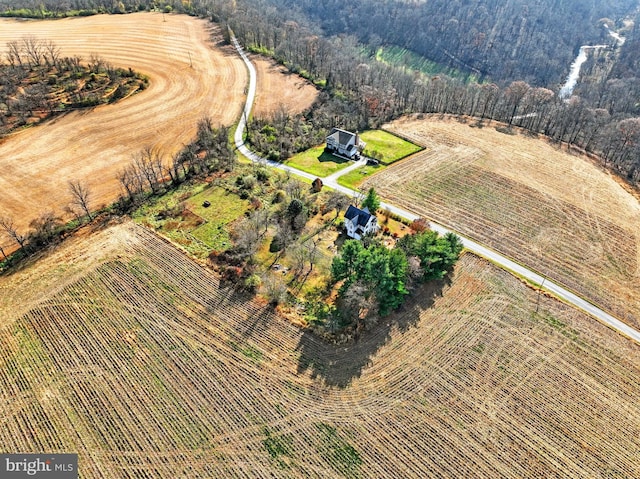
(191, 77)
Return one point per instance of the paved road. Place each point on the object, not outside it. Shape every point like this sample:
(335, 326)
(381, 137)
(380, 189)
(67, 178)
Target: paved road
(480, 250)
(354, 166)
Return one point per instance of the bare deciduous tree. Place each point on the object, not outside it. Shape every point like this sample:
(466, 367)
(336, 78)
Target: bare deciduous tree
(34, 49)
(298, 254)
(53, 53)
(8, 226)
(274, 289)
(285, 234)
(80, 195)
(44, 229)
(148, 166)
(314, 254)
(336, 201)
(247, 237)
(14, 53)
(295, 189)
(356, 303)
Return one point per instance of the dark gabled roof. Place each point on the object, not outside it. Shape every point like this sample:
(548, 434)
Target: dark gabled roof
(363, 215)
(351, 212)
(341, 136)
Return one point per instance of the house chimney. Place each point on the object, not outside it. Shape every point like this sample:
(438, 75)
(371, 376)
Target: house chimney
(357, 140)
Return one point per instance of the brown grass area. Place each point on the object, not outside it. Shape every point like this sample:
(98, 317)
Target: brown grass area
(139, 360)
(556, 212)
(277, 88)
(93, 145)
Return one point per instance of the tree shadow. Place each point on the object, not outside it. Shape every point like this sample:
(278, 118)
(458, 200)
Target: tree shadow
(338, 365)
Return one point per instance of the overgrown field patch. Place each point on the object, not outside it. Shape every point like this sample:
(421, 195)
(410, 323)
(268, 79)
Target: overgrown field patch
(181, 216)
(224, 208)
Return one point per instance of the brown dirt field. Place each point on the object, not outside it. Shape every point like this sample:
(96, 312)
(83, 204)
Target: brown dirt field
(277, 87)
(556, 212)
(127, 352)
(93, 145)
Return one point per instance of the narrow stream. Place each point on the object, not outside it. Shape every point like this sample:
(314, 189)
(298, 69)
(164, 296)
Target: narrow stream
(574, 74)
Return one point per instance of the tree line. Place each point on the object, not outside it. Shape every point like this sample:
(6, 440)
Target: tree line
(362, 92)
(148, 174)
(48, 227)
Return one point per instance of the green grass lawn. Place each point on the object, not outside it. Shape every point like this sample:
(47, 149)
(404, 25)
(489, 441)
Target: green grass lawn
(391, 147)
(317, 162)
(354, 178)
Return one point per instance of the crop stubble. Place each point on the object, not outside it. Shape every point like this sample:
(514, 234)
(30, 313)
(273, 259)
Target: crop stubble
(93, 145)
(140, 360)
(278, 88)
(553, 211)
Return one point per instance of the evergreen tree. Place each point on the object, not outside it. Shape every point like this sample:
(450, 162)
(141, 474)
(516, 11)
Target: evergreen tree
(372, 201)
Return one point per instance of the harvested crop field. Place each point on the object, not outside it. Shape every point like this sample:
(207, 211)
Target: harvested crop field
(278, 88)
(120, 348)
(555, 212)
(93, 145)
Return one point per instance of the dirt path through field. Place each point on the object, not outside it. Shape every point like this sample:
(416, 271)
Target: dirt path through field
(191, 77)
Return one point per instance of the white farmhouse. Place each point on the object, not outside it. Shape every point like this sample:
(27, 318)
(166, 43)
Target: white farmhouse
(360, 222)
(345, 143)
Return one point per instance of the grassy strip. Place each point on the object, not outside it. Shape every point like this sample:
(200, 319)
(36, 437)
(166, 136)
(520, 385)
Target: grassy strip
(397, 56)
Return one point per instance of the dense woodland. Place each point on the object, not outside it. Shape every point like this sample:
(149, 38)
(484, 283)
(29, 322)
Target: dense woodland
(503, 40)
(523, 51)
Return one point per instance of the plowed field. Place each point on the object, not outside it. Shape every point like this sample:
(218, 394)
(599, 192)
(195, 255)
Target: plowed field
(278, 88)
(120, 348)
(192, 75)
(555, 212)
